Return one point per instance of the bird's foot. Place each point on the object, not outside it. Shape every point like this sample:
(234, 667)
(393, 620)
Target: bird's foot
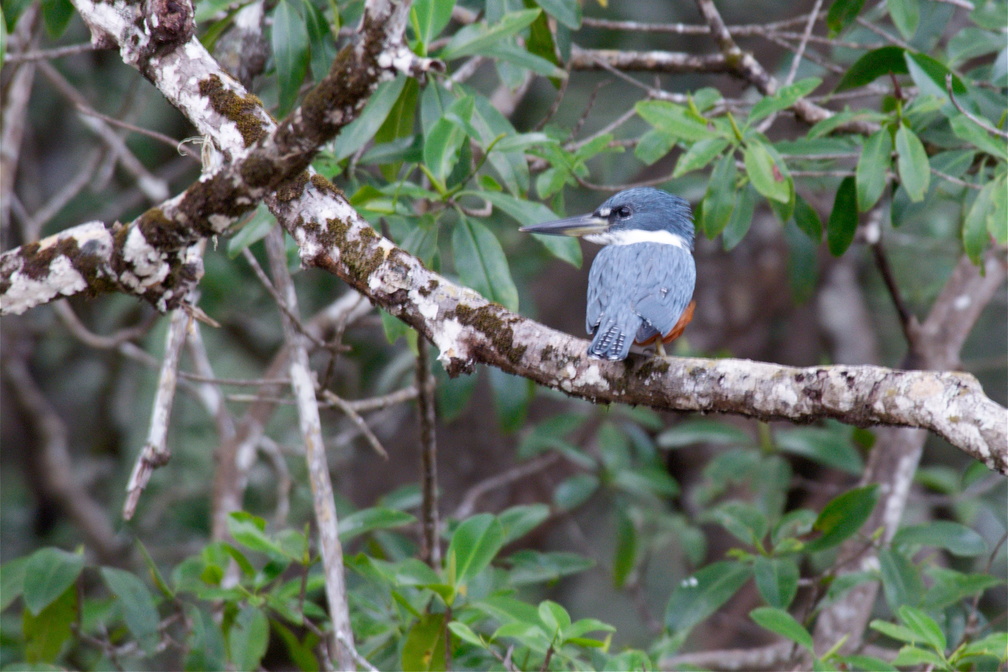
(660, 349)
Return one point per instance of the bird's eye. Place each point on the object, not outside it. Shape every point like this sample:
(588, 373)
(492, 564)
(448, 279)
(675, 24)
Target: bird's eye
(623, 211)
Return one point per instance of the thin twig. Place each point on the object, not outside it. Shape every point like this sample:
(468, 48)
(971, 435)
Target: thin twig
(969, 115)
(155, 189)
(908, 321)
(79, 331)
(796, 61)
(334, 400)
(272, 291)
(430, 549)
(50, 54)
(517, 473)
(326, 519)
(156, 452)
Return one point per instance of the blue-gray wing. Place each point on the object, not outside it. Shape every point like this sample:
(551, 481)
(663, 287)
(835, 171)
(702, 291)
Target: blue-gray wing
(668, 279)
(635, 292)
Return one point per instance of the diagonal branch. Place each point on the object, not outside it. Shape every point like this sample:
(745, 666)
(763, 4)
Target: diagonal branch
(256, 157)
(466, 328)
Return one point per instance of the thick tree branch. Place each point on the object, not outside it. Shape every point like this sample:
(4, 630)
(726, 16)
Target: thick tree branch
(258, 157)
(467, 329)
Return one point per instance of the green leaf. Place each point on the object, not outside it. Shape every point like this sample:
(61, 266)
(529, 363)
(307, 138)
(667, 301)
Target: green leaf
(517, 521)
(876, 158)
(929, 75)
(966, 129)
(807, 219)
(48, 573)
(769, 179)
(784, 98)
(898, 632)
(776, 580)
(825, 446)
(47, 632)
(136, 604)
(802, 263)
(443, 144)
(474, 544)
(783, 623)
(424, 648)
(481, 263)
(675, 120)
(429, 18)
(3, 44)
(867, 663)
(321, 43)
(466, 634)
(248, 638)
(901, 579)
(362, 129)
(843, 516)
(554, 617)
(914, 169)
(254, 230)
(301, 652)
(374, 518)
(700, 595)
(575, 491)
(205, 641)
(843, 219)
(877, 63)
(511, 398)
(289, 38)
(744, 521)
(924, 626)
(976, 225)
(585, 625)
(625, 553)
(527, 212)
(512, 53)
(567, 12)
(956, 538)
(719, 201)
(997, 223)
(529, 567)
(841, 14)
(741, 218)
(702, 430)
(249, 531)
(950, 586)
(654, 145)
(399, 123)
(12, 575)
(699, 155)
(905, 15)
(911, 656)
(475, 38)
(57, 15)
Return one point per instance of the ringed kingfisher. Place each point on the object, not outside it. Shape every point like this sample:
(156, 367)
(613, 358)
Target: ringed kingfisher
(641, 283)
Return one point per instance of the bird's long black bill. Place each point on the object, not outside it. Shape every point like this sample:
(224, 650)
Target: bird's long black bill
(582, 225)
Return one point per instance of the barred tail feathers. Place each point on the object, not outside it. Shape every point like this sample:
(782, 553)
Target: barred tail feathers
(614, 336)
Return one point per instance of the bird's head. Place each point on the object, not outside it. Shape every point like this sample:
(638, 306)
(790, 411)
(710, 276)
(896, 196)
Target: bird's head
(639, 215)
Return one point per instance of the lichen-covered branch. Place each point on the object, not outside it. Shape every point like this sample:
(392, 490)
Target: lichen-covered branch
(467, 329)
(255, 156)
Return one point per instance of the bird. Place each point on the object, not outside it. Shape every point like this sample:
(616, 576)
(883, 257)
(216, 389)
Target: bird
(640, 286)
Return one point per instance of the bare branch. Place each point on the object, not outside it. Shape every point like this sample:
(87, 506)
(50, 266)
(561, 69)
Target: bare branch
(652, 61)
(430, 548)
(969, 115)
(155, 452)
(318, 467)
